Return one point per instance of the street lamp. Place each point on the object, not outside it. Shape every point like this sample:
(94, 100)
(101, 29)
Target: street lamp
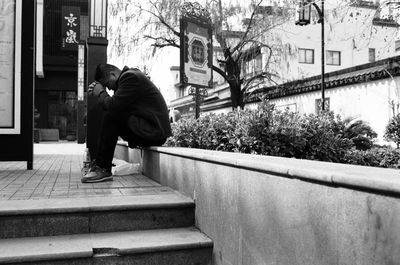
(98, 19)
(303, 13)
(303, 18)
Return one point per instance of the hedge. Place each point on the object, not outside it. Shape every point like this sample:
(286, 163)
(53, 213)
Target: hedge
(267, 131)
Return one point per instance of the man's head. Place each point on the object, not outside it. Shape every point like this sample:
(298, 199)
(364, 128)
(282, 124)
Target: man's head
(107, 75)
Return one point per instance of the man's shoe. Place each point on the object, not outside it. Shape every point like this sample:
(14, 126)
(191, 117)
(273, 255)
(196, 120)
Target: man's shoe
(97, 174)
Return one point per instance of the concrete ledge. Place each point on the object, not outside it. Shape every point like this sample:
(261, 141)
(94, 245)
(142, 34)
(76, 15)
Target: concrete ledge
(111, 244)
(379, 179)
(44, 248)
(123, 152)
(151, 241)
(91, 204)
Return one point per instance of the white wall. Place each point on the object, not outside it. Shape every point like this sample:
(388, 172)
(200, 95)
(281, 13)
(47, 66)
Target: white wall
(368, 101)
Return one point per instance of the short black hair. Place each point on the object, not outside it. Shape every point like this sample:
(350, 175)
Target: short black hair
(103, 71)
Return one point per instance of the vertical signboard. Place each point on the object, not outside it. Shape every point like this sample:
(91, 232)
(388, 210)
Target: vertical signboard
(70, 27)
(10, 67)
(81, 109)
(196, 58)
(196, 52)
(81, 71)
(17, 27)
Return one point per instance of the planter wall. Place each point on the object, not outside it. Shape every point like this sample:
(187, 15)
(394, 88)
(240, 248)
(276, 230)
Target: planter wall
(271, 210)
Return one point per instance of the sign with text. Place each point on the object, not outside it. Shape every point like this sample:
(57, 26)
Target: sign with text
(70, 27)
(196, 53)
(10, 43)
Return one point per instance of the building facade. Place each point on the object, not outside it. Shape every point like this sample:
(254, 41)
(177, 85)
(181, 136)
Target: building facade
(61, 25)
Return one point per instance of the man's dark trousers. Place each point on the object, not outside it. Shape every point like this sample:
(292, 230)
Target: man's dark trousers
(115, 124)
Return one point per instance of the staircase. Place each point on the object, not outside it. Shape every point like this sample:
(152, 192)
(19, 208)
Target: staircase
(140, 229)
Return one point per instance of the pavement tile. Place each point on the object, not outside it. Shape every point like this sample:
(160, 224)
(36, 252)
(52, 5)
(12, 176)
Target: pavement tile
(57, 174)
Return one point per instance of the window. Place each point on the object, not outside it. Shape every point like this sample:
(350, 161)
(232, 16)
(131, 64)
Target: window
(318, 105)
(258, 64)
(371, 54)
(306, 56)
(397, 45)
(252, 62)
(180, 92)
(332, 57)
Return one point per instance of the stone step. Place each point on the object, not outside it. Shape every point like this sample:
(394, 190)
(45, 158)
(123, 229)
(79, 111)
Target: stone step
(176, 246)
(51, 217)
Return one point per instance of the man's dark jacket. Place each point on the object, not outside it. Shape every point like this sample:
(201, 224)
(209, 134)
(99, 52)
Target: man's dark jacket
(138, 96)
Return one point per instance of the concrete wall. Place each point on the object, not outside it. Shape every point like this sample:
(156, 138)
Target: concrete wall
(129, 155)
(271, 210)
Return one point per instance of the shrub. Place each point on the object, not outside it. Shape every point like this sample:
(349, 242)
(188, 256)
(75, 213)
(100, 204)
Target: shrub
(185, 134)
(324, 138)
(290, 135)
(392, 131)
(277, 133)
(267, 131)
(360, 133)
(376, 157)
(224, 132)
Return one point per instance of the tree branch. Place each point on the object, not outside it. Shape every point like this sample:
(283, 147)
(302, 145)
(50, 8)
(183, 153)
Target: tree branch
(162, 45)
(242, 42)
(164, 41)
(160, 17)
(259, 76)
(219, 71)
(218, 34)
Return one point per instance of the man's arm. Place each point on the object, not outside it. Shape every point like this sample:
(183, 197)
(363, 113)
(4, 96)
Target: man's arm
(128, 92)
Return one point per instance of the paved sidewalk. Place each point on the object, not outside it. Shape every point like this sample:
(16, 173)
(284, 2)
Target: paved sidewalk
(57, 174)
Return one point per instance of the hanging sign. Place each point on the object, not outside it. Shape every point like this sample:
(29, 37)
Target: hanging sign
(10, 66)
(70, 27)
(196, 48)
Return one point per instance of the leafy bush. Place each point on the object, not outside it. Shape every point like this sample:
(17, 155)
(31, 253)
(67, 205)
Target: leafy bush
(290, 135)
(360, 133)
(324, 137)
(276, 133)
(224, 132)
(267, 131)
(392, 132)
(376, 157)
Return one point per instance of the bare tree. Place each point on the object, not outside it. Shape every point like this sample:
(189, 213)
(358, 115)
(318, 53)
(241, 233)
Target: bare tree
(160, 24)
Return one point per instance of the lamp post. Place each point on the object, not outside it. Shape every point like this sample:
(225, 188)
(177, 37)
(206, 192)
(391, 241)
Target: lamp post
(96, 54)
(198, 93)
(303, 19)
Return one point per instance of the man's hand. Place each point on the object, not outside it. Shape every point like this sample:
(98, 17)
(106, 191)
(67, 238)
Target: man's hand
(95, 89)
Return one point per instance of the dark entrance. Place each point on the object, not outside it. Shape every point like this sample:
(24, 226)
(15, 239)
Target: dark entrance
(57, 110)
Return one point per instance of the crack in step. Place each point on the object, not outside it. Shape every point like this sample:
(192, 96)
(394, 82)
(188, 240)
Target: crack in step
(106, 252)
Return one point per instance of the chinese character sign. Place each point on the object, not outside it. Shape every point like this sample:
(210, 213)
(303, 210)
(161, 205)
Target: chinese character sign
(196, 54)
(70, 17)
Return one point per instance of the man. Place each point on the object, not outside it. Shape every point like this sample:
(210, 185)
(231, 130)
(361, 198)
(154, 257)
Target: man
(137, 112)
